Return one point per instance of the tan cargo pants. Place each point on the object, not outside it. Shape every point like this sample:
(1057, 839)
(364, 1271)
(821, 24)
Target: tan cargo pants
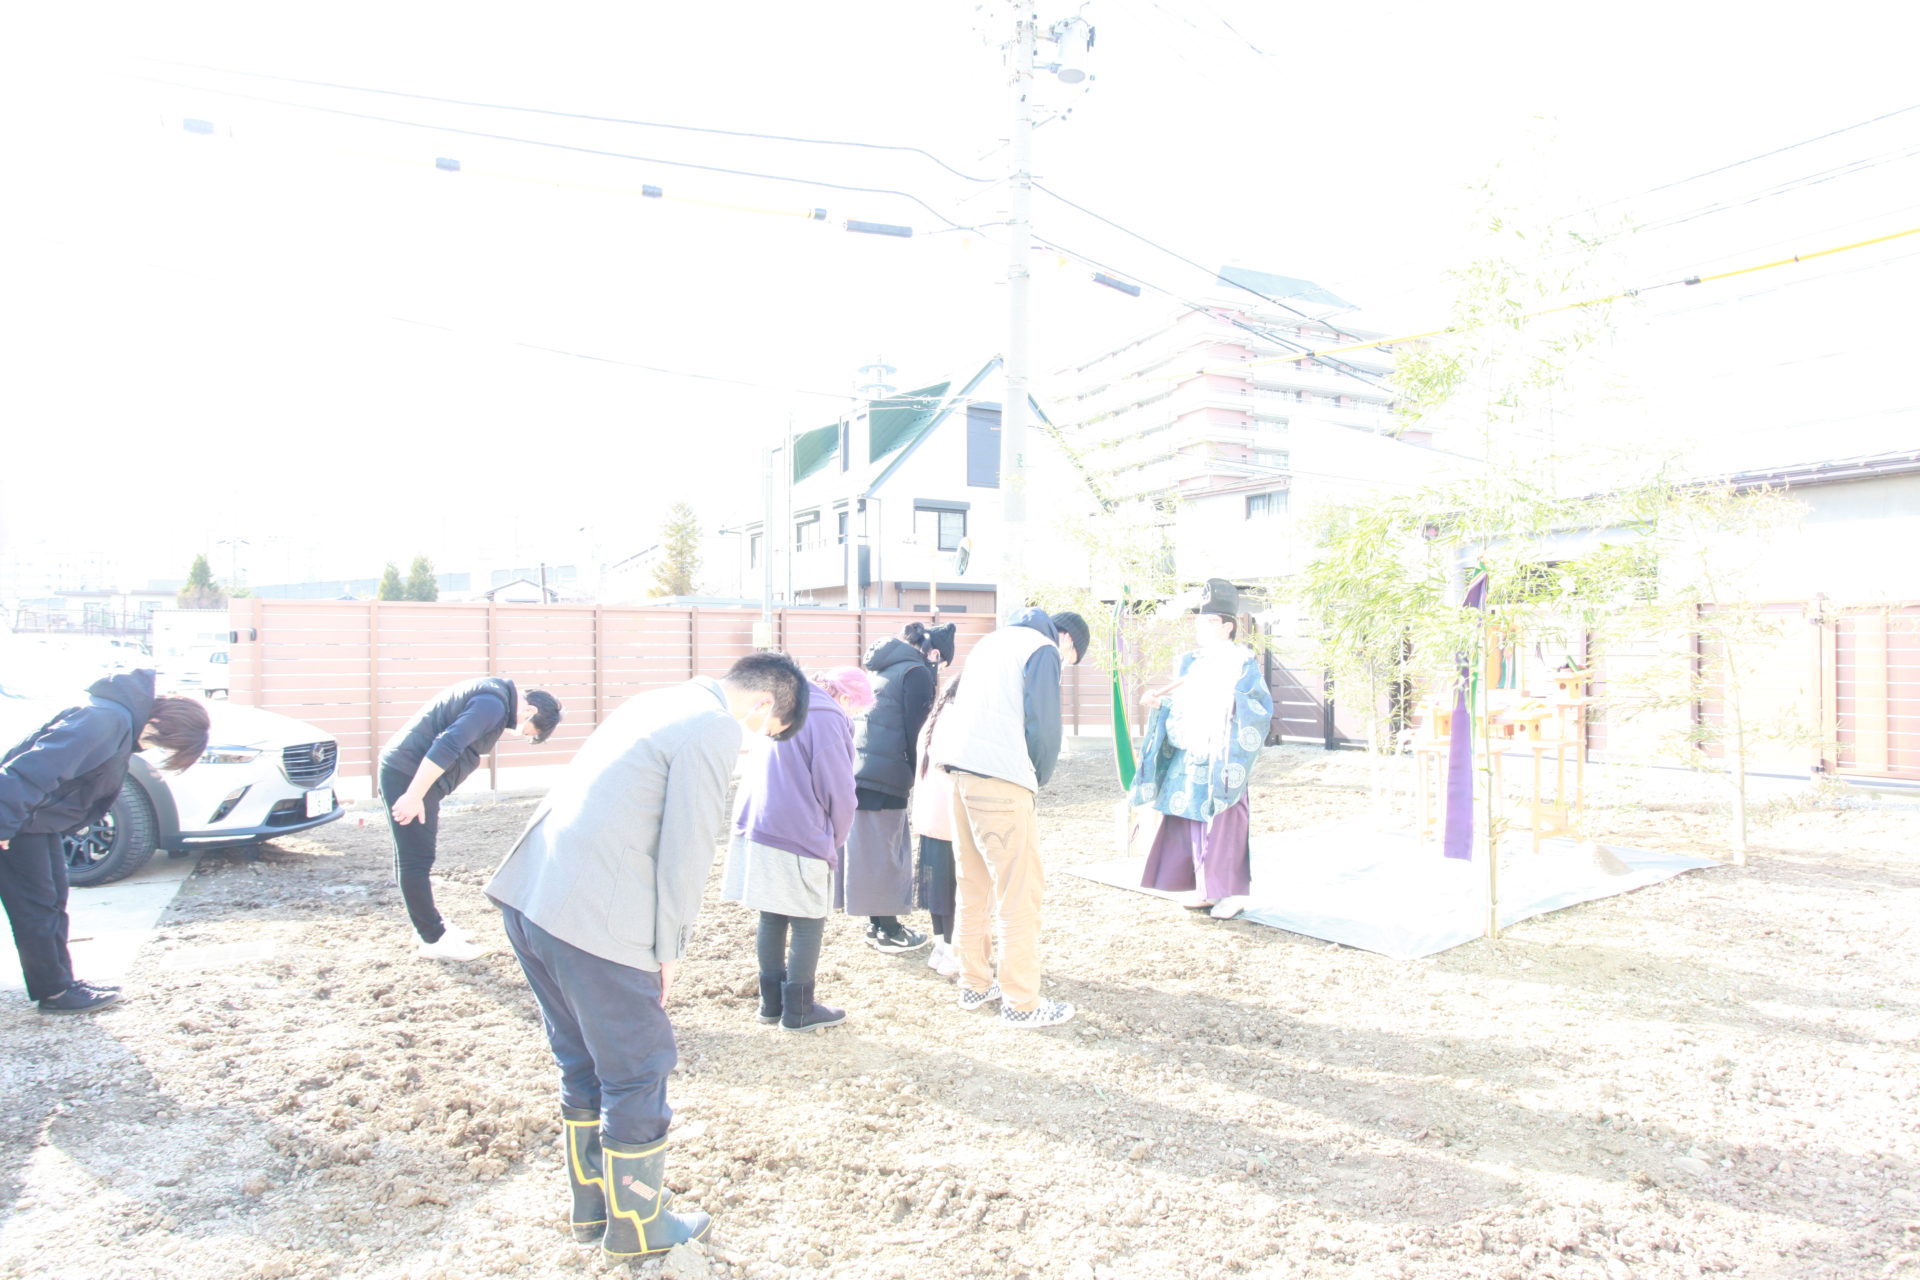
(997, 884)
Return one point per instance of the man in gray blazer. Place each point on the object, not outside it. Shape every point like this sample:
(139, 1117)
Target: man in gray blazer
(599, 897)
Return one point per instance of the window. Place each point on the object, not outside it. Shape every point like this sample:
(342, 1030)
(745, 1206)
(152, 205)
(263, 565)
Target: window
(983, 447)
(806, 532)
(941, 528)
(1266, 506)
(843, 529)
(753, 551)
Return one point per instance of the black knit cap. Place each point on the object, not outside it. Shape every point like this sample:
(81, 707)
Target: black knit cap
(940, 640)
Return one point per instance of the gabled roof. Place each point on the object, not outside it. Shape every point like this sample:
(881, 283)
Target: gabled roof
(893, 424)
(898, 421)
(899, 424)
(1283, 287)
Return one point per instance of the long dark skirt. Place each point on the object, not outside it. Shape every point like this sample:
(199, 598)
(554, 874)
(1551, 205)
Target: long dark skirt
(936, 875)
(875, 876)
(1213, 854)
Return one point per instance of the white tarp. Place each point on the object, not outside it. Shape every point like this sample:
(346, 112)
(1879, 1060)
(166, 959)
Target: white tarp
(1389, 892)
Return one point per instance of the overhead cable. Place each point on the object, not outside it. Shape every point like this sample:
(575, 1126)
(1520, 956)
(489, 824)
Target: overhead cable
(1573, 306)
(648, 191)
(555, 146)
(1786, 188)
(1284, 306)
(1680, 182)
(1339, 366)
(570, 115)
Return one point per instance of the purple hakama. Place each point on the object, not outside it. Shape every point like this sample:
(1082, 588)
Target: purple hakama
(1213, 854)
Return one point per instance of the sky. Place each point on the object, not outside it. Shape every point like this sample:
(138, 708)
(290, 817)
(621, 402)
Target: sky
(296, 332)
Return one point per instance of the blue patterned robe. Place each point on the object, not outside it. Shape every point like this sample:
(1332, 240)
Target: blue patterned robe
(1202, 739)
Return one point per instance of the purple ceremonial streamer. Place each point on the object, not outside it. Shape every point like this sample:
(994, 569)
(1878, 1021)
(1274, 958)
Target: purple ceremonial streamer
(1458, 839)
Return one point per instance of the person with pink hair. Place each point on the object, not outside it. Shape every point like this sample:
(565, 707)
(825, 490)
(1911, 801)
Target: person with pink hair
(795, 806)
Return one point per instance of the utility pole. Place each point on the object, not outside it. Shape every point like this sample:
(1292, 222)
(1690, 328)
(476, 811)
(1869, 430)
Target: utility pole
(763, 633)
(233, 546)
(1013, 408)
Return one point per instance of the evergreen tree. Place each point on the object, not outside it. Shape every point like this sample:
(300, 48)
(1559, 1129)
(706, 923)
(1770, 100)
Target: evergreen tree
(421, 584)
(680, 552)
(201, 591)
(391, 588)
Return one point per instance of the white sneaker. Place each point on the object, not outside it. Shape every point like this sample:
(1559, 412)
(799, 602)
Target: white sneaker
(452, 947)
(944, 960)
(1048, 1013)
(970, 1000)
(451, 930)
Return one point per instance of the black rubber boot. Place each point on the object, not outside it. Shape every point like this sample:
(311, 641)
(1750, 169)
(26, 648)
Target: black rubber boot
(638, 1221)
(770, 1004)
(584, 1173)
(800, 1013)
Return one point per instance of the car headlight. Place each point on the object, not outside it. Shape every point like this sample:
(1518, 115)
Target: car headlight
(230, 755)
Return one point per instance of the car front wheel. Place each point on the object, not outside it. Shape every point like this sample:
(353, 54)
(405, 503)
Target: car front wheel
(116, 846)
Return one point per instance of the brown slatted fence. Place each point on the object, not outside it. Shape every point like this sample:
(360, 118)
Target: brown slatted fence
(360, 669)
(1872, 686)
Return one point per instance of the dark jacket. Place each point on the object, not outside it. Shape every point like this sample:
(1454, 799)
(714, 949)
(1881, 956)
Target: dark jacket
(63, 776)
(884, 740)
(455, 731)
(1041, 691)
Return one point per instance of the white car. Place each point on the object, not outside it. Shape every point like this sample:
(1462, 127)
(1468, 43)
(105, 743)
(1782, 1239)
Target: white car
(203, 671)
(263, 775)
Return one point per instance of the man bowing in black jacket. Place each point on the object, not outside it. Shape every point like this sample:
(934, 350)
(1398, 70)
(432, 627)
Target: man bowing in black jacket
(424, 762)
(62, 778)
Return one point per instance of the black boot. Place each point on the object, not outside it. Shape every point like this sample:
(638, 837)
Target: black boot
(638, 1221)
(800, 1013)
(770, 1004)
(584, 1173)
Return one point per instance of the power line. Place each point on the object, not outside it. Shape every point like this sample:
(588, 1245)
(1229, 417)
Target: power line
(645, 190)
(1818, 231)
(569, 115)
(1785, 188)
(471, 335)
(1790, 284)
(1340, 366)
(1678, 182)
(555, 146)
(1337, 331)
(1592, 302)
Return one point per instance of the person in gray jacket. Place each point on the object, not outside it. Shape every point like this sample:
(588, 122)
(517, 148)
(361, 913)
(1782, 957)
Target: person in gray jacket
(599, 896)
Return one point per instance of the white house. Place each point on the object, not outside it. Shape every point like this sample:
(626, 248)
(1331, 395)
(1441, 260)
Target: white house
(887, 498)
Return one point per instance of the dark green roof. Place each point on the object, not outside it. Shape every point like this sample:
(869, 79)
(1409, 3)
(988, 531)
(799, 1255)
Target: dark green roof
(894, 423)
(813, 450)
(1285, 288)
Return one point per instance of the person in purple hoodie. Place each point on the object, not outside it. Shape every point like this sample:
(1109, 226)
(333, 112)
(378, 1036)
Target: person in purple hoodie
(795, 807)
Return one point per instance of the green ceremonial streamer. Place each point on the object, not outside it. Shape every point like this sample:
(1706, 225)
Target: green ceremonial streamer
(1122, 735)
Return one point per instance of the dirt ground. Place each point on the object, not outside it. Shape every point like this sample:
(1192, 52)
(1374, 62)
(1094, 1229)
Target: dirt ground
(1714, 1074)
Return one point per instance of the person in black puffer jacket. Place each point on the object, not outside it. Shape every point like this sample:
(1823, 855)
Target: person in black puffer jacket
(876, 876)
(60, 779)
